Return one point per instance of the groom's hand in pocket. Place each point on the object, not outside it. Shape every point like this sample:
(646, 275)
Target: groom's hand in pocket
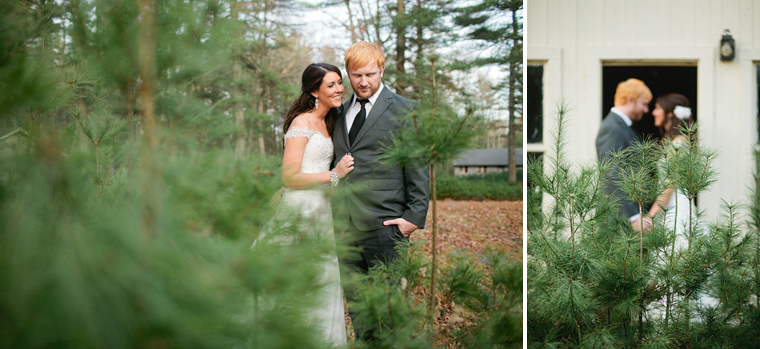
(404, 226)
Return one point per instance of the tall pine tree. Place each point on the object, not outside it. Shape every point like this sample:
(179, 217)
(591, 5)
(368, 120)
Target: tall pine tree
(497, 24)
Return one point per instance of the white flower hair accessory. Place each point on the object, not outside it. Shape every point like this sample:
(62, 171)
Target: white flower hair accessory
(682, 112)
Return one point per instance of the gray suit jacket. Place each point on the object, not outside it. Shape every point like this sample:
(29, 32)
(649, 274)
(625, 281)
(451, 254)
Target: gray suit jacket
(374, 192)
(614, 135)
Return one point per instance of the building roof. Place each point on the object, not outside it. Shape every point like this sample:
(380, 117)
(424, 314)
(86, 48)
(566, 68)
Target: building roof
(488, 157)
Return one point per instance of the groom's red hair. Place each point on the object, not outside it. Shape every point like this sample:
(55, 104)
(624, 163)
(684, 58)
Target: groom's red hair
(633, 89)
(362, 53)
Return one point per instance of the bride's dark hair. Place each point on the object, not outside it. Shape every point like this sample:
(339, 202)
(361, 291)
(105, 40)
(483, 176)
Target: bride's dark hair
(311, 79)
(668, 103)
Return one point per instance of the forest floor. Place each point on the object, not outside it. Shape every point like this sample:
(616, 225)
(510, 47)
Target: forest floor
(471, 227)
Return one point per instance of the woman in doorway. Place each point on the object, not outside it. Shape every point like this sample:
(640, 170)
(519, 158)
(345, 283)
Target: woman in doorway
(672, 115)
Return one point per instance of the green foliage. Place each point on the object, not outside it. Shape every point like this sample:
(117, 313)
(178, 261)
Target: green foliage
(485, 293)
(387, 305)
(98, 129)
(78, 270)
(25, 79)
(689, 166)
(634, 168)
(492, 291)
(434, 135)
(492, 186)
(595, 283)
(481, 20)
(106, 241)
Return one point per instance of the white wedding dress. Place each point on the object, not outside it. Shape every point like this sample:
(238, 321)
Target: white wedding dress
(315, 208)
(677, 217)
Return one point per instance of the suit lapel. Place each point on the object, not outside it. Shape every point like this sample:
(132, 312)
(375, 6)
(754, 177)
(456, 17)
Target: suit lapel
(342, 122)
(381, 104)
(621, 125)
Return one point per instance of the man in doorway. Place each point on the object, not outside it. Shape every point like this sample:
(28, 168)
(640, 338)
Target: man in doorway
(632, 99)
(376, 204)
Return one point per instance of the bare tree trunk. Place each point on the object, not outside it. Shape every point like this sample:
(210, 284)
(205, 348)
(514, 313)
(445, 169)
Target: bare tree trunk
(147, 63)
(378, 25)
(129, 98)
(262, 149)
(511, 136)
(400, 46)
(434, 267)
(351, 25)
(512, 78)
(237, 109)
(364, 24)
(262, 145)
(419, 42)
(434, 196)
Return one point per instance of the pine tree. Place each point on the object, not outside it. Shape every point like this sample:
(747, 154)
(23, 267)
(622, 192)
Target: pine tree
(594, 282)
(435, 137)
(485, 296)
(506, 39)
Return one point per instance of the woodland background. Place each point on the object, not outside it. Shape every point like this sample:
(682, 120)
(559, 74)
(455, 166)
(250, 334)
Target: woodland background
(241, 61)
(227, 71)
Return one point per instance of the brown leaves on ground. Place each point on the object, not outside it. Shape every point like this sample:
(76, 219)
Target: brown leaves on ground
(473, 227)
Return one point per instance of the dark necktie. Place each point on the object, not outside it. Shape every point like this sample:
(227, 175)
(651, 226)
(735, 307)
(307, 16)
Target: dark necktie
(358, 122)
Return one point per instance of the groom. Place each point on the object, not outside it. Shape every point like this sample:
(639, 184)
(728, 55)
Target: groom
(377, 204)
(632, 99)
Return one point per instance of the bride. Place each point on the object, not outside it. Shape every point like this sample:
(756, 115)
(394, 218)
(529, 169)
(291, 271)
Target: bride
(306, 175)
(671, 114)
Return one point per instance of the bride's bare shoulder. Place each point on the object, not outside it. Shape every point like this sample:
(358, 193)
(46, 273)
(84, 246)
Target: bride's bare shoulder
(299, 121)
(302, 121)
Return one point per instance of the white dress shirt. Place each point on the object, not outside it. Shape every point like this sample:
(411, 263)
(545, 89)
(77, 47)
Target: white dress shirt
(622, 115)
(356, 107)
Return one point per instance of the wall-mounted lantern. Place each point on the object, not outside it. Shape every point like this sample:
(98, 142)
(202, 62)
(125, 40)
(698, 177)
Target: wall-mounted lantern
(727, 47)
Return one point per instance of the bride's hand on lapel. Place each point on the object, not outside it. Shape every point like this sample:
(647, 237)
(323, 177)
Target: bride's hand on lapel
(344, 166)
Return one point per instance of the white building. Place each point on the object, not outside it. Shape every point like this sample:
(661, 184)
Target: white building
(578, 50)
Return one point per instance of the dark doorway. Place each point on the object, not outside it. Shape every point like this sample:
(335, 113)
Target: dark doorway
(660, 79)
(534, 87)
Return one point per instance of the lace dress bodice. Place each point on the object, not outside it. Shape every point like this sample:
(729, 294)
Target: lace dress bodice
(319, 150)
(317, 156)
